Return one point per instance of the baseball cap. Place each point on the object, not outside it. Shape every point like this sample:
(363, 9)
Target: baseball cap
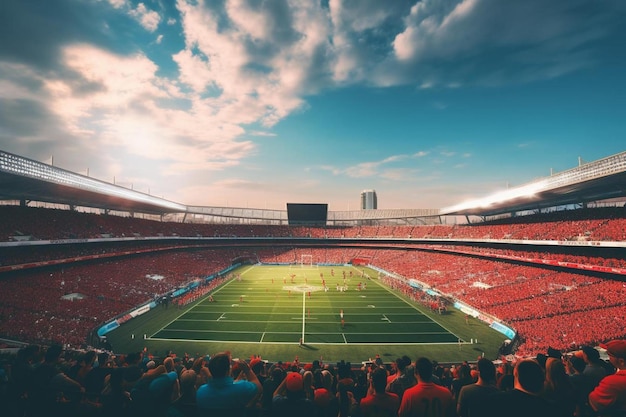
(616, 348)
(293, 382)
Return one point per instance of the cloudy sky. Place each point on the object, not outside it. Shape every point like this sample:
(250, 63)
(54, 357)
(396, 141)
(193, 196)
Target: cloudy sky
(255, 103)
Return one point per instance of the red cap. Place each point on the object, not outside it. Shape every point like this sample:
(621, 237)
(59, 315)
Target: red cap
(615, 348)
(322, 397)
(294, 381)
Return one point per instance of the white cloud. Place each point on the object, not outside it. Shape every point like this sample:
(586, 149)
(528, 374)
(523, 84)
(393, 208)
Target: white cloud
(399, 174)
(372, 168)
(118, 4)
(149, 19)
(127, 105)
(239, 184)
(491, 42)
(249, 22)
(261, 133)
(251, 69)
(365, 169)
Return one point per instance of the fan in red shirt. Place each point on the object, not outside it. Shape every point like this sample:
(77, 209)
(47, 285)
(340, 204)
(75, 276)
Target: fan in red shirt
(379, 403)
(426, 398)
(609, 398)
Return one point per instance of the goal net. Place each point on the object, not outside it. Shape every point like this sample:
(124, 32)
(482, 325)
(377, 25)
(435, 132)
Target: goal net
(306, 261)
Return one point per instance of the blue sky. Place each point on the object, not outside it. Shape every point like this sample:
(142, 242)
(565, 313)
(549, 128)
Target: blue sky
(256, 103)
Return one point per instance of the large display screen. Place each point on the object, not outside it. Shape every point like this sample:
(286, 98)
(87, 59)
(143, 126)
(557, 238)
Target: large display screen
(307, 214)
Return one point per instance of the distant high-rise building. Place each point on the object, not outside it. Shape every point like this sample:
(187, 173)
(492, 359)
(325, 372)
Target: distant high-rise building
(369, 201)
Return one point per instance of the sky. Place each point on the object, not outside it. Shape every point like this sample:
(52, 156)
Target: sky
(257, 103)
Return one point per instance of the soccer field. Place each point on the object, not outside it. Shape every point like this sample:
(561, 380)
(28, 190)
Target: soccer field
(277, 304)
(339, 312)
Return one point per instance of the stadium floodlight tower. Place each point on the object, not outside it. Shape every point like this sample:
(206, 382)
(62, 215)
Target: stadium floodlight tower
(369, 201)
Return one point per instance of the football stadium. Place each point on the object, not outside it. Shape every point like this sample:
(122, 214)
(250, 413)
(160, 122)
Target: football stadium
(94, 267)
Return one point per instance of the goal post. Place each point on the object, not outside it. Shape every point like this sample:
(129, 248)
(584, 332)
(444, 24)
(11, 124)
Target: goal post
(306, 261)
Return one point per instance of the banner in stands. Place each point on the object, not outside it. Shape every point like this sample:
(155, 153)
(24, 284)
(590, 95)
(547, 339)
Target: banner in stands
(507, 331)
(143, 309)
(466, 309)
(108, 327)
(182, 291)
(499, 327)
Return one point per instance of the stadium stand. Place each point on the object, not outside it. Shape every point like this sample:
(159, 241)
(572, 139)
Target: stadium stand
(518, 294)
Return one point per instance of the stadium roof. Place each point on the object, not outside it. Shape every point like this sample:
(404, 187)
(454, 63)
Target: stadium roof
(599, 180)
(27, 180)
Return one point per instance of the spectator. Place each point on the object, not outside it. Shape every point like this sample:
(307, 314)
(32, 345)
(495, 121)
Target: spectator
(164, 391)
(94, 380)
(506, 381)
(186, 404)
(21, 378)
(582, 384)
(594, 367)
(609, 397)
(224, 396)
(115, 398)
(83, 365)
(290, 398)
(446, 378)
(422, 398)
(258, 367)
(324, 397)
(473, 396)
(404, 377)
(558, 388)
(148, 400)
(464, 377)
(345, 389)
(276, 376)
(52, 392)
(378, 402)
(309, 388)
(525, 399)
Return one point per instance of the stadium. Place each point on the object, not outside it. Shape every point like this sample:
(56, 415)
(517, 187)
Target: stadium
(94, 268)
(90, 264)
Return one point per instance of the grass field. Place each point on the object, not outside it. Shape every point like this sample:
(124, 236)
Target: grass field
(269, 310)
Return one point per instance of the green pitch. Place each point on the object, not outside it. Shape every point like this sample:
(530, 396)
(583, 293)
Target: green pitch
(280, 312)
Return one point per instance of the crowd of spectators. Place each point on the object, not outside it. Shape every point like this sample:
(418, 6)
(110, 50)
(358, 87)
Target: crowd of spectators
(546, 307)
(201, 290)
(66, 304)
(41, 381)
(30, 223)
